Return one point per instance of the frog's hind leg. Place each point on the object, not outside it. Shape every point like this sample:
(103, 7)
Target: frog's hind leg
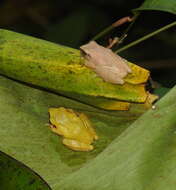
(88, 124)
(77, 145)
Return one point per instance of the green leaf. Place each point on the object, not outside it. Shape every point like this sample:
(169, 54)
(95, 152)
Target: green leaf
(124, 158)
(143, 157)
(62, 69)
(25, 135)
(159, 5)
(161, 91)
(16, 176)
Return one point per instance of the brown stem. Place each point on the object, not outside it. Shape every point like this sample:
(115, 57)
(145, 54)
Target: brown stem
(112, 26)
(122, 21)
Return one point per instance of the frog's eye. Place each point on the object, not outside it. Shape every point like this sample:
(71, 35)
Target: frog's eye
(85, 54)
(53, 126)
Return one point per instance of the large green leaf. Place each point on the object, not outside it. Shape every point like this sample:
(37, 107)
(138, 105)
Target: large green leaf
(62, 69)
(16, 176)
(137, 159)
(25, 135)
(159, 5)
(142, 158)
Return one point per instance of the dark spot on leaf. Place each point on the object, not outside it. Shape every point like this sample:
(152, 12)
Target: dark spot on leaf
(70, 72)
(32, 181)
(39, 67)
(70, 52)
(157, 115)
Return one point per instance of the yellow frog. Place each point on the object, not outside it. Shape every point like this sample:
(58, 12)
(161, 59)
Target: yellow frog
(75, 127)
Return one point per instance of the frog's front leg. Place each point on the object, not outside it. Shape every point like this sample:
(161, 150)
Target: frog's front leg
(77, 145)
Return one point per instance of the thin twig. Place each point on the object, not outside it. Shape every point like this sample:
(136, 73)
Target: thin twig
(146, 37)
(111, 27)
(125, 33)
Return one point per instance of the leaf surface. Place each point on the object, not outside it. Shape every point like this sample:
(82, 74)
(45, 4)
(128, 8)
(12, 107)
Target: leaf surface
(143, 157)
(62, 70)
(159, 5)
(25, 135)
(16, 176)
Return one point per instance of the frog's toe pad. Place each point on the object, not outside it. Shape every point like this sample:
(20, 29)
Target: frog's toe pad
(76, 145)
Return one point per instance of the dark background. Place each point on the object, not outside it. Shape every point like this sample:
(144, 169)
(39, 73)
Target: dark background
(74, 22)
